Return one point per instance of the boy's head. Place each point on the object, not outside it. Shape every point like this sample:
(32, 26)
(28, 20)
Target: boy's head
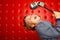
(30, 21)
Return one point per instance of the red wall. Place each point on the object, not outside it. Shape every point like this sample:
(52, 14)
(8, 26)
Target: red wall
(11, 18)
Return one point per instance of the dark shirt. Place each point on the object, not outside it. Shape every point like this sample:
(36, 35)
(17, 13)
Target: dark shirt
(47, 31)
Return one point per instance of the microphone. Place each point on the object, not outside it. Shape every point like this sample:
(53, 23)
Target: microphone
(34, 5)
(41, 4)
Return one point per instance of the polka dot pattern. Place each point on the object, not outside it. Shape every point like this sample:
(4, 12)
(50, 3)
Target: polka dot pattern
(12, 13)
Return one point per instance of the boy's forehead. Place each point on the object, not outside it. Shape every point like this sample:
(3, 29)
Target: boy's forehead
(28, 16)
(32, 15)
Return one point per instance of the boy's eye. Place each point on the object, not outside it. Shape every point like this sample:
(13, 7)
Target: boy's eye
(35, 17)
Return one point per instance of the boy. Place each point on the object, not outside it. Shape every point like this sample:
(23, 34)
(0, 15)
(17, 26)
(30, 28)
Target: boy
(44, 29)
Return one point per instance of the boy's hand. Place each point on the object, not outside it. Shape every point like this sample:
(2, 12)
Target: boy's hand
(57, 14)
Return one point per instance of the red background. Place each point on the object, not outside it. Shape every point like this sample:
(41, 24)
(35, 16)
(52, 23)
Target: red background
(11, 18)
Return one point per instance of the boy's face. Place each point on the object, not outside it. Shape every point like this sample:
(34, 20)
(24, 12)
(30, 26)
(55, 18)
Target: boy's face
(32, 20)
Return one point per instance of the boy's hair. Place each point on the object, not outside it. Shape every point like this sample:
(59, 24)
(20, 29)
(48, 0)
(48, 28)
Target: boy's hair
(26, 25)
